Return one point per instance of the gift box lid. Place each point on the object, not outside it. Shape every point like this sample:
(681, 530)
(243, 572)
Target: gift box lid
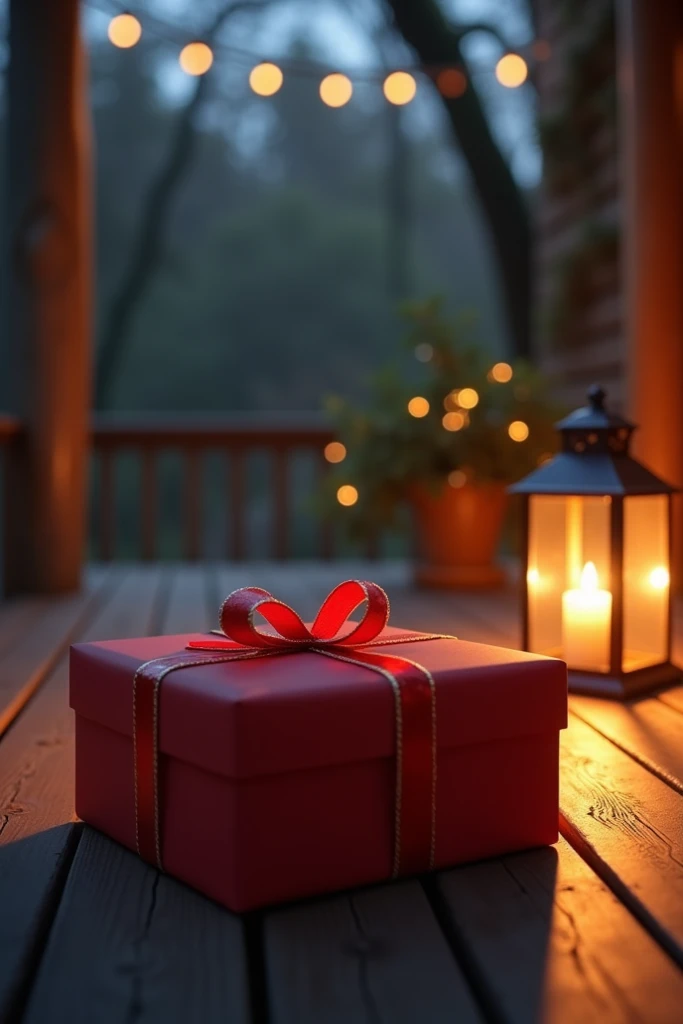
(302, 710)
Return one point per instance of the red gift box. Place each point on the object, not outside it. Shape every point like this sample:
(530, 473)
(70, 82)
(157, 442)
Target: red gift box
(276, 775)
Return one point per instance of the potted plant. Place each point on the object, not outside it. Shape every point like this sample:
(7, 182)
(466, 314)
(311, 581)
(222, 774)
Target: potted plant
(445, 433)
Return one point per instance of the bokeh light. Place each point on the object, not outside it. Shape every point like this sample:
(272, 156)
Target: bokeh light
(541, 49)
(124, 31)
(335, 451)
(543, 458)
(266, 79)
(518, 430)
(453, 421)
(451, 83)
(659, 578)
(511, 70)
(456, 478)
(347, 495)
(336, 90)
(418, 407)
(196, 58)
(501, 373)
(399, 88)
(424, 352)
(468, 398)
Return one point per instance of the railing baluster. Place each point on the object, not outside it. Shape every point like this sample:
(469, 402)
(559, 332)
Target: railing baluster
(148, 521)
(326, 533)
(192, 503)
(107, 510)
(280, 503)
(236, 537)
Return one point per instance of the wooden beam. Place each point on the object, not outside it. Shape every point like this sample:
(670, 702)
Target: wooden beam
(48, 301)
(651, 83)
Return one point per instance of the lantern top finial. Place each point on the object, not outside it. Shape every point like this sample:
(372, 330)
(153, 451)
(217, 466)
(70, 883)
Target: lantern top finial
(593, 429)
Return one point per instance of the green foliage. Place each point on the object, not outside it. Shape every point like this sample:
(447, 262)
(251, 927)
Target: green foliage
(390, 452)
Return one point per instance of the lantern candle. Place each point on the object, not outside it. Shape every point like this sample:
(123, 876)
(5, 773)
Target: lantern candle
(586, 621)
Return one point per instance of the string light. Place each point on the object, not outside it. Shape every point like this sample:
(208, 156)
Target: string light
(266, 79)
(456, 478)
(518, 430)
(399, 88)
(335, 451)
(451, 83)
(347, 495)
(453, 421)
(336, 90)
(418, 407)
(124, 31)
(511, 70)
(468, 398)
(196, 58)
(501, 373)
(424, 352)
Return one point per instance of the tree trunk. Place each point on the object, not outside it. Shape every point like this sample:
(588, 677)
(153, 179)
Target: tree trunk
(424, 27)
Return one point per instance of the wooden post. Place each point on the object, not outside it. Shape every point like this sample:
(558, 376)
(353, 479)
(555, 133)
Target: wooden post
(651, 83)
(48, 296)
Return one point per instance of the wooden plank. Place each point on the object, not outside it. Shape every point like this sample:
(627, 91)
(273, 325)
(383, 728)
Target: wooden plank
(37, 837)
(546, 939)
(673, 698)
(36, 649)
(627, 824)
(130, 943)
(648, 730)
(377, 955)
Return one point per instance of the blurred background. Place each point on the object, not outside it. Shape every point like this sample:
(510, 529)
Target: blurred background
(273, 180)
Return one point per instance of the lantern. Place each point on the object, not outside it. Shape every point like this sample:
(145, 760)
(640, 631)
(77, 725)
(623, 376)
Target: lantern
(596, 585)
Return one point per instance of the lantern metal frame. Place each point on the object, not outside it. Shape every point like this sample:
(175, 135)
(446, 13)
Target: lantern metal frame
(594, 461)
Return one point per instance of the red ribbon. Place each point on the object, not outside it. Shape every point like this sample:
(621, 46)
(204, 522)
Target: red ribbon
(241, 639)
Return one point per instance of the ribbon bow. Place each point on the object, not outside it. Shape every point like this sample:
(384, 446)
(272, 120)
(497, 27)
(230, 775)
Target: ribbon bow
(240, 639)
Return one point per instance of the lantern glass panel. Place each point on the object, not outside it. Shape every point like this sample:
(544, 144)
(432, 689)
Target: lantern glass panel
(646, 581)
(568, 579)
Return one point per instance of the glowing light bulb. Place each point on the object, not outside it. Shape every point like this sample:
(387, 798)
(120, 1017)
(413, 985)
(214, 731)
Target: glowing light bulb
(335, 451)
(467, 398)
(501, 373)
(266, 79)
(511, 70)
(347, 495)
(418, 407)
(124, 31)
(518, 430)
(533, 577)
(336, 90)
(453, 421)
(399, 88)
(196, 58)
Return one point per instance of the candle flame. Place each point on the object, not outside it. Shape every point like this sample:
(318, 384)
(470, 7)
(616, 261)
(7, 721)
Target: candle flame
(589, 577)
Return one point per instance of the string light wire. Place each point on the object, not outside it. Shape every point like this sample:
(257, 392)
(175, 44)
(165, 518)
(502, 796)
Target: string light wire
(173, 34)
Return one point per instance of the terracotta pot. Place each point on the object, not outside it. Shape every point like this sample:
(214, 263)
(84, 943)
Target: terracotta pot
(458, 533)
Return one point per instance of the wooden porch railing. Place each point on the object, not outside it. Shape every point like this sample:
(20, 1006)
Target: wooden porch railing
(233, 439)
(231, 442)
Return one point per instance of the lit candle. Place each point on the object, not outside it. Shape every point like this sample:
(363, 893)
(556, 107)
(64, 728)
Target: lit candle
(586, 620)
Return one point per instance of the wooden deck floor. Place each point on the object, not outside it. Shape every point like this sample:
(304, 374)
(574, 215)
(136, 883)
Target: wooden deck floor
(590, 930)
